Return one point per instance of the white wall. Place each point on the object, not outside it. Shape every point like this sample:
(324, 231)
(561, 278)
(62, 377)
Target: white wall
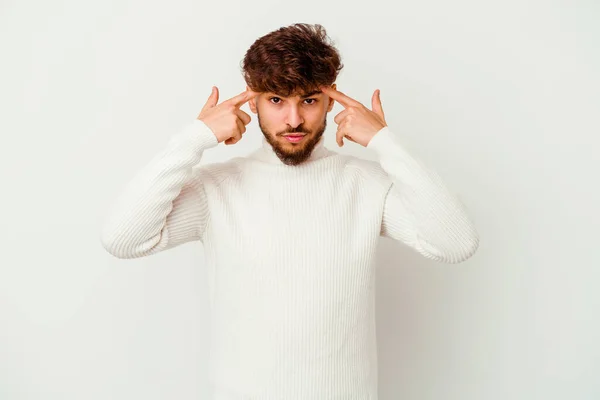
(501, 97)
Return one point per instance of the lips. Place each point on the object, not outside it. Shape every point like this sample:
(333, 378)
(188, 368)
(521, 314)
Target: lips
(294, 138)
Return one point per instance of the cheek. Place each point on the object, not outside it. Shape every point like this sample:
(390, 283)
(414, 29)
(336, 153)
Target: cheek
(268, 109)
(272, 120)
(271, 117)
(316, 116)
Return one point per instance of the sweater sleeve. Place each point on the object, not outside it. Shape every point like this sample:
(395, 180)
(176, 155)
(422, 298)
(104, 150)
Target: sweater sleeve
(164, 205)
(419, 209)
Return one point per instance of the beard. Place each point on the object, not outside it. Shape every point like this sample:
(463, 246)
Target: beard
(295, 154)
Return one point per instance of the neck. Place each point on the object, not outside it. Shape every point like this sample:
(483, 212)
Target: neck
(266, 153)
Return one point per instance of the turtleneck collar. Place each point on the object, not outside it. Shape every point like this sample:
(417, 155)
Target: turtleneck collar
(266, 154)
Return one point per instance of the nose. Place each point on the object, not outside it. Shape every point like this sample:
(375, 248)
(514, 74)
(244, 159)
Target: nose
(294, 118)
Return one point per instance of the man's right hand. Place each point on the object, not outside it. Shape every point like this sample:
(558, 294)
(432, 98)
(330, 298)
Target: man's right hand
(226, 120)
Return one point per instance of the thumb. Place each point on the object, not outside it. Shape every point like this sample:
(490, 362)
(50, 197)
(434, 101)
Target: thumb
(376, 103)
(213, 99)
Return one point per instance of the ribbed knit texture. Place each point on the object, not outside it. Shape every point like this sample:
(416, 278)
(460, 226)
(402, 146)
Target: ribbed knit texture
(289, 254)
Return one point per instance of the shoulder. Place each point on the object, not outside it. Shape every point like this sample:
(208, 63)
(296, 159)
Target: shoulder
(218, 173)
(369, 170)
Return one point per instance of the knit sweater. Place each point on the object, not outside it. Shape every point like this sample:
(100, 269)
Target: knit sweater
(289, 253)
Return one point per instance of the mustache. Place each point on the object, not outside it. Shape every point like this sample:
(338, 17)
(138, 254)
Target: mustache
(294, 131)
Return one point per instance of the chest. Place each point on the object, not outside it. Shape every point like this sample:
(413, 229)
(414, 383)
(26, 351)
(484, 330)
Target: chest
(253, 217)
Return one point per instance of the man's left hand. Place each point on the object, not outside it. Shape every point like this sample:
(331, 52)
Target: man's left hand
(356, 122)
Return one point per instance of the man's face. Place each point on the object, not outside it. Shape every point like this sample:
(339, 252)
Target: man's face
(292, 125)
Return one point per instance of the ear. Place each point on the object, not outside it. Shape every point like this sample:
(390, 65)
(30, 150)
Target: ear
(331, 101)
(252, 102)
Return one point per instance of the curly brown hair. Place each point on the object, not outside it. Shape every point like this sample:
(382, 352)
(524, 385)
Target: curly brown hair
(292, 60)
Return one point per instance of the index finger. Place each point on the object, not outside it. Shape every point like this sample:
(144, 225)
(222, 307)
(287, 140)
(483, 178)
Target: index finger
(242, 98)
(340, 97)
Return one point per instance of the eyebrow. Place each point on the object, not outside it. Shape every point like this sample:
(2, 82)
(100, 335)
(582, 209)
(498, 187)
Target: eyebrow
(310, 94)
(304, 96)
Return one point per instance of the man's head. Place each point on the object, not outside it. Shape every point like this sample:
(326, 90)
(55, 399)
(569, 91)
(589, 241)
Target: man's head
(287, 67)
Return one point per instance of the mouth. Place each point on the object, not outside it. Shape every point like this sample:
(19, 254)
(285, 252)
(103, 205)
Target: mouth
(294, 137)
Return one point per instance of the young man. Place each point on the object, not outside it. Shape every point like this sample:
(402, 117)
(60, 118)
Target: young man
(290, 231)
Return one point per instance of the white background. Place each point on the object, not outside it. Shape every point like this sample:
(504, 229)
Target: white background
(502, 98)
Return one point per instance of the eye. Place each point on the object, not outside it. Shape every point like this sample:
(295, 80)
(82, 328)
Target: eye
(278, 100)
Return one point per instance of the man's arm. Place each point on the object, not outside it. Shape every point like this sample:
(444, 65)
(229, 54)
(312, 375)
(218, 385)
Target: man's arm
(419, 209)
(163, 206)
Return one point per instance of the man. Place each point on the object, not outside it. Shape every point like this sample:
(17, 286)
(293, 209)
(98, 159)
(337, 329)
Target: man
(290, 231)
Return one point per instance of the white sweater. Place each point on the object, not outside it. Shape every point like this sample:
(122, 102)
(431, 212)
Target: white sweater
(289, 254)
